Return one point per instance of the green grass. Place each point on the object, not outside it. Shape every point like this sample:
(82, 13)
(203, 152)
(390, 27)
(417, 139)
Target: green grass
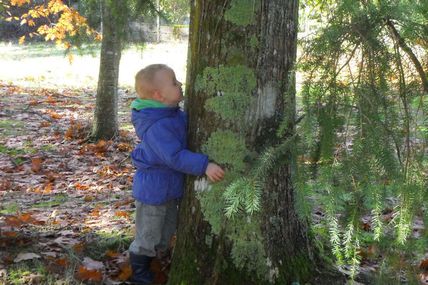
(34, 50)
(103, 241)
(9, 209)
(10, 127)
(56, 201)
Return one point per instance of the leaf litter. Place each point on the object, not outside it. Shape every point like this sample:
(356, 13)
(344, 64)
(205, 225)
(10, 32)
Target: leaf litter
(71, 195)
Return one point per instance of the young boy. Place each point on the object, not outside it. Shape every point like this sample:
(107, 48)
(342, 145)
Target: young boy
(162, 160)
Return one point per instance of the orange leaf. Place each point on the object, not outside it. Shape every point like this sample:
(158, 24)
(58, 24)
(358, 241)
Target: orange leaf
(112, 254)
(124, 147)
(55, 115)
(13, 221)
(48, 188)
(121, 214)
(62, 262)
(10, 234)
(85, 274)
(125, 273)
(26, 218)
(81, 186)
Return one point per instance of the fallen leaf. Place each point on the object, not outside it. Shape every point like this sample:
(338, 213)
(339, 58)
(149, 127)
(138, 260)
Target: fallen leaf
(36, 164)
(13, 221)
(112, 254)
(85, 274)
(78, 247)
(91, 264)
(125, 273)
(62, 262)
(10, 234)
(26, 256)
(424, 265)
(122, 214)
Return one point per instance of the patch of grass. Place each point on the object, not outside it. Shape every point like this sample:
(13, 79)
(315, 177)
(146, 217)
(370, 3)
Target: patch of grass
(33, 50)
(27, 272)
(17, 153)
(48, 147)
(56, 201)
(103, 241)
(9, 209)
(10, 127)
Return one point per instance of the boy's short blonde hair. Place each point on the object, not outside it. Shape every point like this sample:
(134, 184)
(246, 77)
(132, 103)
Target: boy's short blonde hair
(144, 78)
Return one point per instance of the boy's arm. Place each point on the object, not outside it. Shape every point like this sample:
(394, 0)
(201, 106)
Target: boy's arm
(167, 146)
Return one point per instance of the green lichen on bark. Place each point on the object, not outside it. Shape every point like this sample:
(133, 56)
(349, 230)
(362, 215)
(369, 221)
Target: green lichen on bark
(227, 148)
(241, 12)
(233, 87)
(234, 79)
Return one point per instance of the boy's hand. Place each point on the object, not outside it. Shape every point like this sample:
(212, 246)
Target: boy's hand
(214, 172)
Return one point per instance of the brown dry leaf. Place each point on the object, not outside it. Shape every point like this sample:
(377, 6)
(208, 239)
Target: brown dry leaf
(50, 100)
(124, 147)
(424, 265)
(78, 247)
(85, 274)
(125, 273)
(51, 176)
(88, 198)
(79, 186)
(48, 188)
(13, 221)
(45, 124)
(33, 103)
(54, 115)
(9, 234)
(26, 218)
(122, 214)
(36, 164)
(62, 262)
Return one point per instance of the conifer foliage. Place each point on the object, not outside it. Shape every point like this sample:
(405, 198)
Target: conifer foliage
(364, 136)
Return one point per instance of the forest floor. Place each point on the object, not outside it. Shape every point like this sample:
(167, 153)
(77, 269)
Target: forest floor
(66, 211)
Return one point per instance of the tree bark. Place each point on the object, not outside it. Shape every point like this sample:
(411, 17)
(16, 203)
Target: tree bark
(105, 124)
(290, 252)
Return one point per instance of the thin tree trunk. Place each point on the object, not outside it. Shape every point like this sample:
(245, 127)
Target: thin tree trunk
(105, 125)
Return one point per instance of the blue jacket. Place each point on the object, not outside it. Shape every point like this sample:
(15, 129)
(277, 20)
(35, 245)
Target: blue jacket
(161, 158)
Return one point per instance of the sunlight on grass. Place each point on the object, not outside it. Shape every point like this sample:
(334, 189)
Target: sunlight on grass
(57, 200)
(46, 65)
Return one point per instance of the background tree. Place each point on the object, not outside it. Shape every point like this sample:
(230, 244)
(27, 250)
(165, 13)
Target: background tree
(241, 69)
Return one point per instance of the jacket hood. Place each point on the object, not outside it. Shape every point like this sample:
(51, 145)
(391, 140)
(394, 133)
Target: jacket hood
(144, 118)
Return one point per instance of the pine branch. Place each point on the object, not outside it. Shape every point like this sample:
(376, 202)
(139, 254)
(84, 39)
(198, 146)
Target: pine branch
(401, 42)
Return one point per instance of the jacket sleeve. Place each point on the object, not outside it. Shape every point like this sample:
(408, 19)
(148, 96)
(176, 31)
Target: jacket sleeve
(167, 146)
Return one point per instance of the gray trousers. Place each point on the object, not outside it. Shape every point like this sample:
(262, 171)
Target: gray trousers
(154, 227)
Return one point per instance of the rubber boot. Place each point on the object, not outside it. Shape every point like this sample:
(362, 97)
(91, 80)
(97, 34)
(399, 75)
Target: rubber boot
(141, 274)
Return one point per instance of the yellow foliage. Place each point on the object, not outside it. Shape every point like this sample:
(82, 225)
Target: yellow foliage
(69, 22)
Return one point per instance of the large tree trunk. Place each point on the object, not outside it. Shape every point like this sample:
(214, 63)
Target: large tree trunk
(105, 125)
(215, 42)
